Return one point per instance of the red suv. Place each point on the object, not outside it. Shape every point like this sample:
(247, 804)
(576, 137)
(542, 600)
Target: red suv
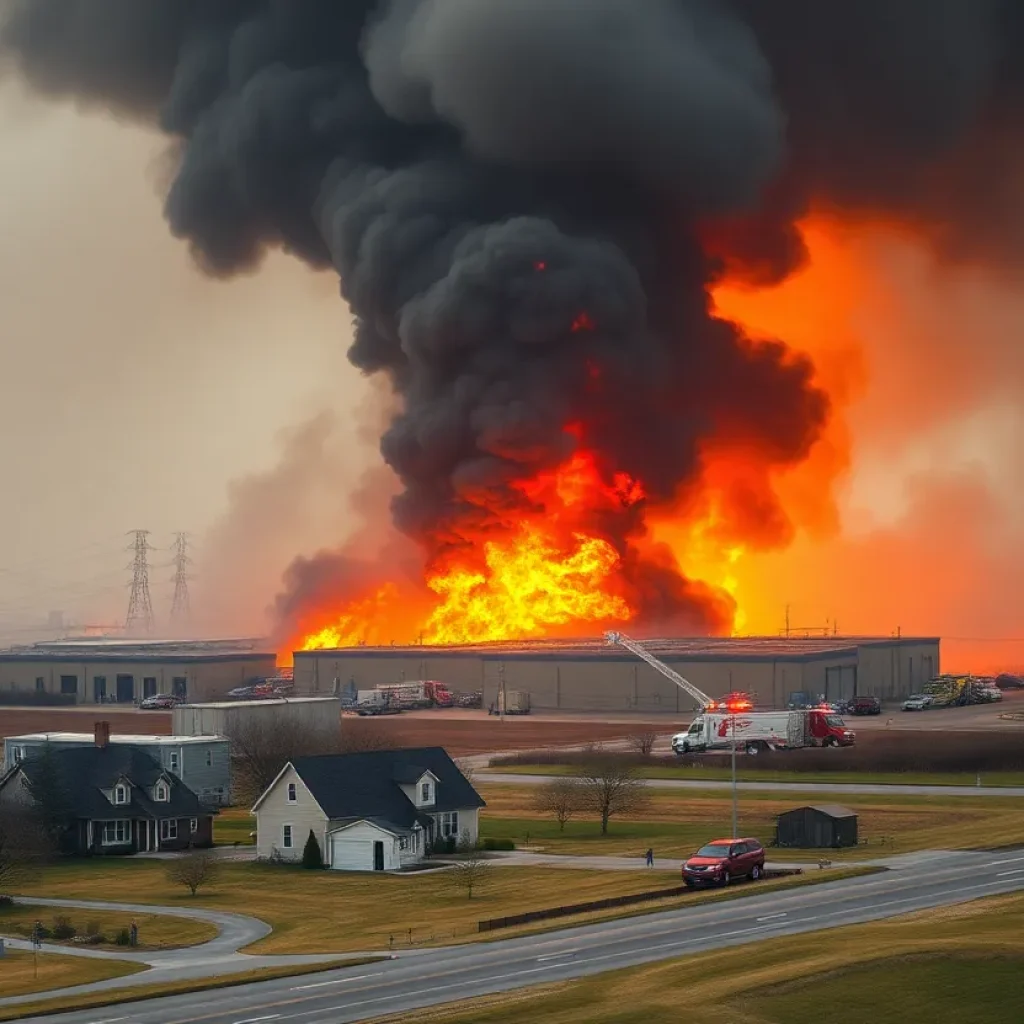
(723, 860)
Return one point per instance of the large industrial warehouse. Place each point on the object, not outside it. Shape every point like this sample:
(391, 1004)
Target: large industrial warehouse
(591, 675)
(101, 671)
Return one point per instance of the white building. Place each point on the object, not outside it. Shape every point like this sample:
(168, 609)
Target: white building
(376, 811)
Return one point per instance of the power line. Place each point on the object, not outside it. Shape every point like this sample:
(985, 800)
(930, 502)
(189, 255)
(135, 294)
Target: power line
(180, 606)
(140, 607)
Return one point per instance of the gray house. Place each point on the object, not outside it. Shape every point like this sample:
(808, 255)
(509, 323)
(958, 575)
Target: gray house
(203, 763)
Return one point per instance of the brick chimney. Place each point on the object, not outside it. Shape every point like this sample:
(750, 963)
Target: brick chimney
(101, 734)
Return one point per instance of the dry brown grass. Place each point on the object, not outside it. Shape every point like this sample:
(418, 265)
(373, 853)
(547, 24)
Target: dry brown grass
(19, 976)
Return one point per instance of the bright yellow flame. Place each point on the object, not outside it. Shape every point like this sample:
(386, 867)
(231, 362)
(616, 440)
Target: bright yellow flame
(528, 587)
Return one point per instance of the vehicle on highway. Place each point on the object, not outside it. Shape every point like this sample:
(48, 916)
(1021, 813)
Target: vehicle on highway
(757, 731)
(918, 702)
(160, 702)
(864, 705)
(724, 860)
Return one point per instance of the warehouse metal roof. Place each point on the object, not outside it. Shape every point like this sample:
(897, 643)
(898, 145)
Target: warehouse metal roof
(119, 649)
(123, 738)
(749, 648)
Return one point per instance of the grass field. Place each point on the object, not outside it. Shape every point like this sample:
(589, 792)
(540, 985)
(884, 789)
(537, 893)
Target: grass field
(677, 822)
(703, 773)
(327, 912)
(962, 964)
(19, 976)
(234, 825)
(155, 931)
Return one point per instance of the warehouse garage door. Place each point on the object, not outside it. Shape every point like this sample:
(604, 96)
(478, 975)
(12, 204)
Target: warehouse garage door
(840, 682)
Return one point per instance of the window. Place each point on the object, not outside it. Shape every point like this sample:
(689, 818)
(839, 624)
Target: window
(403, 843)
(69, 685)
(17, 754)
(40, 684)
(448, 823)
(162, 793)
(168, 829)
(116, 832)
(292, 796)
(425, 793)
(209, 759)
(193, 825)
(174, 761)
(120, 794)
(286, 836)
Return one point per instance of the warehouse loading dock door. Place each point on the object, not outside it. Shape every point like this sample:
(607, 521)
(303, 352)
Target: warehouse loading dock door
(841, 682)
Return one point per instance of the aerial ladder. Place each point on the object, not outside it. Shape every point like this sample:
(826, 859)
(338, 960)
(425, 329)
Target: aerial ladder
(734, 701)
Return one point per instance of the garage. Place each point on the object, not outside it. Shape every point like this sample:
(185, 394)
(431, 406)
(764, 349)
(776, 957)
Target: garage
(363, 846)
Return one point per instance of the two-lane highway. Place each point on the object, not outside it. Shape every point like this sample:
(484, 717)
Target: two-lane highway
(443, 975)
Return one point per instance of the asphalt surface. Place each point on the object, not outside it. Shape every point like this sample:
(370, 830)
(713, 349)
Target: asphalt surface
(834, 788)
(432, 977)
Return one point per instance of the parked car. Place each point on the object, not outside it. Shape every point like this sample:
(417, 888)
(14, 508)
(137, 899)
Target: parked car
(1008, 681)
(918, 702)
(864, 705)
(160, 702)
(723, 861)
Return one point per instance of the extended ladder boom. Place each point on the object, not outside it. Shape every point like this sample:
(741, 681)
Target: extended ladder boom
(699, 696)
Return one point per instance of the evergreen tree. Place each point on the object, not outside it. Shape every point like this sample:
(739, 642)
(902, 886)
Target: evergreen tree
(51, 798)
(311, 856)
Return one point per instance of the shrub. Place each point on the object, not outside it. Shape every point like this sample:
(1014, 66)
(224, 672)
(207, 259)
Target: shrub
(63, 928)
(6, 902)
(96, 939)
(490, 843)
(311, 856)
(451, 844)
(123, 937)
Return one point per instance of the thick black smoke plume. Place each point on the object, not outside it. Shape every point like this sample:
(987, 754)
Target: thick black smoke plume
(482, 172)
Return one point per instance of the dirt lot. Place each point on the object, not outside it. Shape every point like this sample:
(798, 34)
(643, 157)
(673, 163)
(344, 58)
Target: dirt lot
(17, 721)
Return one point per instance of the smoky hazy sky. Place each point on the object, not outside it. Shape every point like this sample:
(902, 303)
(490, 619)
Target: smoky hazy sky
(135, 389)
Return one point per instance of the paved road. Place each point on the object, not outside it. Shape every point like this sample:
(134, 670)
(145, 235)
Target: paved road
(835, 788)
(438, 976)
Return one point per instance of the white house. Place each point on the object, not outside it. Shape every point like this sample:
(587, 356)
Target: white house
(376, 811)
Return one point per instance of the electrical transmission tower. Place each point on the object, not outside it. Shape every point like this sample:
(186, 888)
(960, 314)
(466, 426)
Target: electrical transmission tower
(180, 605)
(140, 607)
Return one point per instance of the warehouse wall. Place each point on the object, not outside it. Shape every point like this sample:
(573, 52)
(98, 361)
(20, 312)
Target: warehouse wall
(205, 680)
(897, 669)
(315, 673)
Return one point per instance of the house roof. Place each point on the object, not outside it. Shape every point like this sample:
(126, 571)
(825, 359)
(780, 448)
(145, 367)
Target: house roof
(368, 785)
(88, 771)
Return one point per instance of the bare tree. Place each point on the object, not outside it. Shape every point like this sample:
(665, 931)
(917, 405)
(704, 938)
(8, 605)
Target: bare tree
(193, 869)
(23, 845)
(471, 869)
(261, 748)
(562, 796)
(611, 788)
(643, 742)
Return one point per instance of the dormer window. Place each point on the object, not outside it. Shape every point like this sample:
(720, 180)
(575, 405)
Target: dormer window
(120, 793)
(425, 791)
(292, 793)
(161, 793)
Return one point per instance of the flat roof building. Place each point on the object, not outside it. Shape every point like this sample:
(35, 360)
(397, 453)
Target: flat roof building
(591, 675)
(103, 671)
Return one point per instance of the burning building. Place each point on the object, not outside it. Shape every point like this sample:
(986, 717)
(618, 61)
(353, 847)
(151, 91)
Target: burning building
(535, 210)
(581, 675)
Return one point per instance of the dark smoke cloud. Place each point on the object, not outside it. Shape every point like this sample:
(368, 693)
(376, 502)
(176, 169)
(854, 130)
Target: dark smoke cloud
(481, 172)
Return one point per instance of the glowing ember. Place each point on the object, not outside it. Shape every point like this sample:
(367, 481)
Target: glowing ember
(583, 322)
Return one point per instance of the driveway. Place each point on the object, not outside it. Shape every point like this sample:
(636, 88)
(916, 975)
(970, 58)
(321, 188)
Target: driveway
(219, 956)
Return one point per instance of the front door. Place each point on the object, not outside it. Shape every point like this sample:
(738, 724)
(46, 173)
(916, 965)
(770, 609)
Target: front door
(378, 856)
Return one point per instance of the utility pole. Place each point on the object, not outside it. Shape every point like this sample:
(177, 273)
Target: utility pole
(787, 620)
(180, 607)
(140, 607)
(501, 691)
(735, 793)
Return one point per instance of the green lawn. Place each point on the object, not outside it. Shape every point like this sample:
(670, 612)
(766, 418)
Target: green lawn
(676, 822)
(724, 774)
(234, 825)
(961, 964)
(156, 931)
(22, 974)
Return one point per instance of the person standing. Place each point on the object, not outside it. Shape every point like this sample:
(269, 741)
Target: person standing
(650, 857)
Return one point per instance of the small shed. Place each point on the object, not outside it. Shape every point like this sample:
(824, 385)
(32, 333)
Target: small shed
(817, 827)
